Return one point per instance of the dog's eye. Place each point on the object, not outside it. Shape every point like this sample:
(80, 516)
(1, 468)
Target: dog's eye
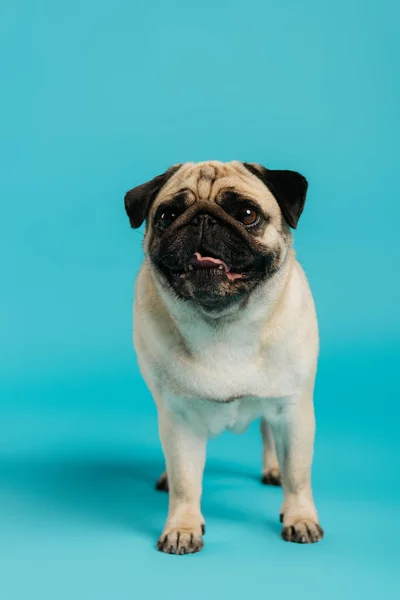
(246, 215)
(166, 217)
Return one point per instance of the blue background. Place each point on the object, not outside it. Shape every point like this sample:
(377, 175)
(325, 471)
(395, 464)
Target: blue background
(96, 98)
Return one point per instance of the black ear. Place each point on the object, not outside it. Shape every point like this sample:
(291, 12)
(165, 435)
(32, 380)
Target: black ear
(288, 188)
(139, 199)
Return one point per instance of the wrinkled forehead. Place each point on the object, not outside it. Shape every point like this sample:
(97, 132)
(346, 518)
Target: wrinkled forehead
(207, 180)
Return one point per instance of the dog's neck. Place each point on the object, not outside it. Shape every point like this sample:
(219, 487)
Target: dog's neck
(248, 318)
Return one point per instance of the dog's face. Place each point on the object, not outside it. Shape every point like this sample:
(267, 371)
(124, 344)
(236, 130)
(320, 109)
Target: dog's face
(215, 231)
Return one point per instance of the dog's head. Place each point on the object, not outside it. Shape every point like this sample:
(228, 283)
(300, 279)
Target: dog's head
(215, 231)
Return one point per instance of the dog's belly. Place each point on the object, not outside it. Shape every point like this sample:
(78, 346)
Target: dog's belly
(213, 418)
(223, 393)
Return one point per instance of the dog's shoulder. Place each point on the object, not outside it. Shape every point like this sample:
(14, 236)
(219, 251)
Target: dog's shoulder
(294, 311)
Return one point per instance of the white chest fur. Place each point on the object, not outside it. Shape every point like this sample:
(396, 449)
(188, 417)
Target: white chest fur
(225, 376)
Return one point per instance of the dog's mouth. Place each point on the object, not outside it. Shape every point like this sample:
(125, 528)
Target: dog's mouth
(209, 265)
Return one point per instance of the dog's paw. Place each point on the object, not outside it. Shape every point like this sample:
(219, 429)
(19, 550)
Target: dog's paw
(180, 540)
(162, 483)
(303, 531)
(271, 477)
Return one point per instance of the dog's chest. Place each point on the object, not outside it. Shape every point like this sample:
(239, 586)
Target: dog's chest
(228, 368)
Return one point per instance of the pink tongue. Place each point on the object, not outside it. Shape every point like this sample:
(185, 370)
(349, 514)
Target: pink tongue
(207, 262)
(233, 276)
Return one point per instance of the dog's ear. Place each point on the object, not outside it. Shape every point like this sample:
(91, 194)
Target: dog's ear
(139, 199)
(289, 189)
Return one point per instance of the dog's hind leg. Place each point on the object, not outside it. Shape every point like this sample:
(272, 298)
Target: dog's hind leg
(270, 469)
(162, 483)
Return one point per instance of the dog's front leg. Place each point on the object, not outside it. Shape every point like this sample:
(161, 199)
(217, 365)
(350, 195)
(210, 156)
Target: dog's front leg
(184, 451)
(294, 438)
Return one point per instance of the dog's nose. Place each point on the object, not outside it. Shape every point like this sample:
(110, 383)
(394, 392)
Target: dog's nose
(204, 219)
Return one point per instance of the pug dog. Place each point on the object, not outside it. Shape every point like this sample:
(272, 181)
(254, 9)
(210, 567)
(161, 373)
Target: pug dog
(225, 332)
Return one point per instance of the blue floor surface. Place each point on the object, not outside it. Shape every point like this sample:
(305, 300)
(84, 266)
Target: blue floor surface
(79, 516)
